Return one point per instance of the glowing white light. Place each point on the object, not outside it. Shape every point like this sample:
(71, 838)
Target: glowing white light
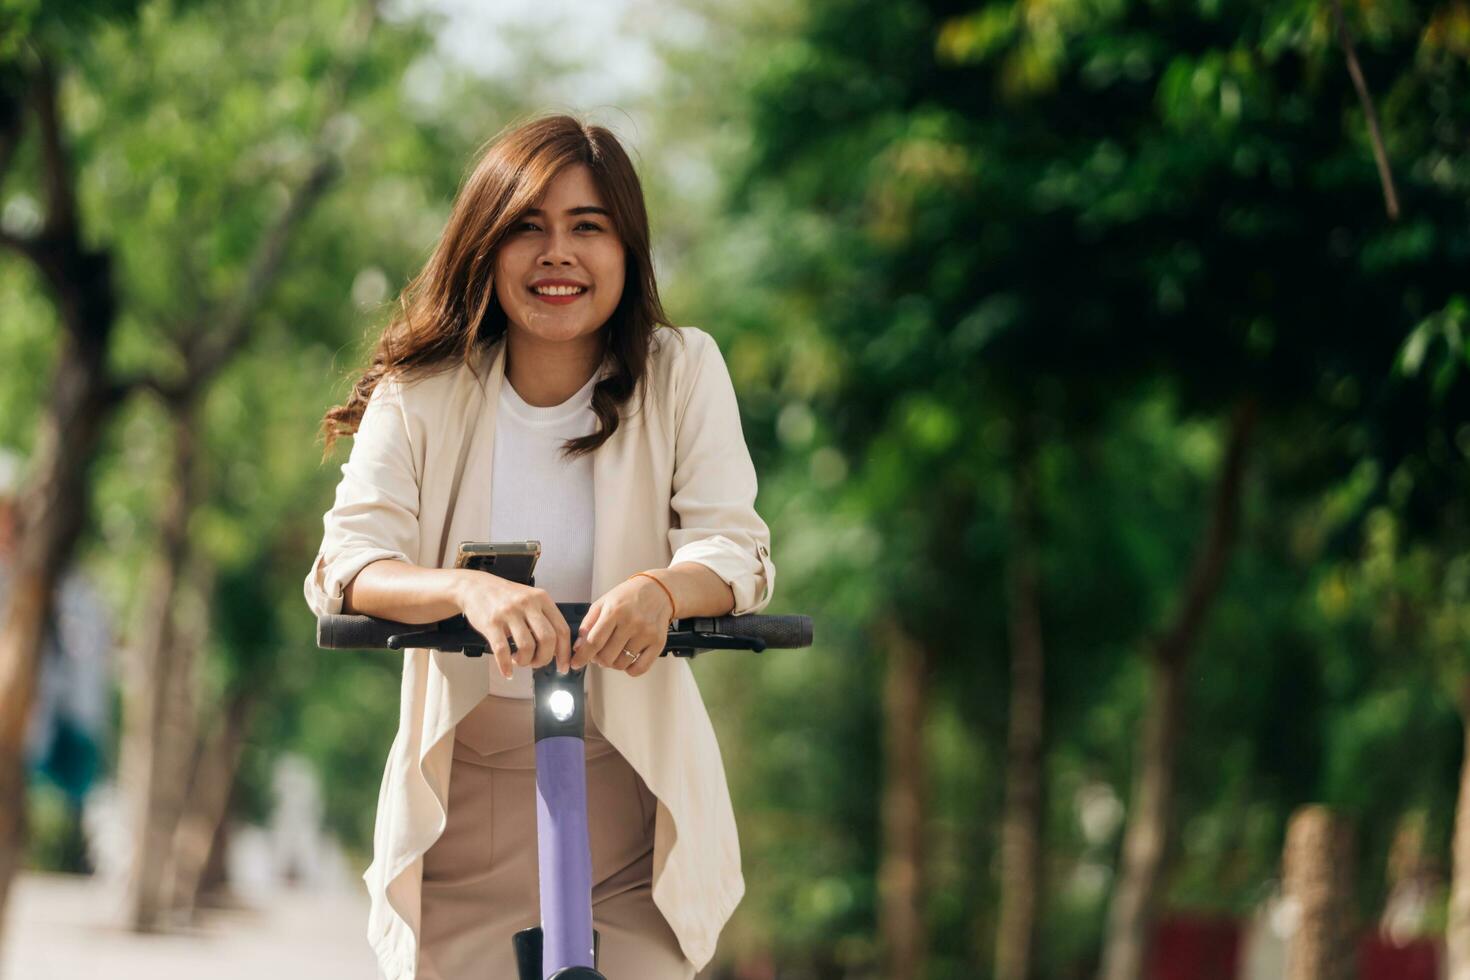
(562, 704)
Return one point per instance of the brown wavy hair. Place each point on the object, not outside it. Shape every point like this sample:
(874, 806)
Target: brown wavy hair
(448, 314)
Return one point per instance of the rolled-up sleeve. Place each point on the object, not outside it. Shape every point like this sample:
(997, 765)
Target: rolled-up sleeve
(715, 486)
(376, 511)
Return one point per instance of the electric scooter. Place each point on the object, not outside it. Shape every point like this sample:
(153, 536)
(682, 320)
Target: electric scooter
(564, 946)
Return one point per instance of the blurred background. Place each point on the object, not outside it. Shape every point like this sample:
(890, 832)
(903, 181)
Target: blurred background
(1104, 363)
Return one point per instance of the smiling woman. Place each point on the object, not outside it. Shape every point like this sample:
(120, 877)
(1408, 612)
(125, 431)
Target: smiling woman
(549, 199)
(500, 397)
(559, 278)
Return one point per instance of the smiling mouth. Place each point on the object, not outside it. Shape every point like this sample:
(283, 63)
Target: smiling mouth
(559, 298)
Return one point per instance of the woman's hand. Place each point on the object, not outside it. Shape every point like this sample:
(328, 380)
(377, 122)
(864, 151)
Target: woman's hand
(498, 607)
(633, 615)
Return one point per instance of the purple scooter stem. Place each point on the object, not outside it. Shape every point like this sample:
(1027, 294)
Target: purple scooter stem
(565, 855)
(564, 946)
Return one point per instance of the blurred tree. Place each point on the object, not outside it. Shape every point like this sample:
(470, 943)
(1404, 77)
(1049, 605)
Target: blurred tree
(79, 278)
(1051, 210)
(160, 735)
(1317, 877)
(203, 243)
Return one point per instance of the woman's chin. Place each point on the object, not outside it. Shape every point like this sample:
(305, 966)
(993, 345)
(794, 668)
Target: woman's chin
(557, 330)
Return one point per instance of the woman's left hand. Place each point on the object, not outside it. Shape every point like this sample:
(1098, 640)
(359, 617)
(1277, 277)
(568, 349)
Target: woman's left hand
(633, 615)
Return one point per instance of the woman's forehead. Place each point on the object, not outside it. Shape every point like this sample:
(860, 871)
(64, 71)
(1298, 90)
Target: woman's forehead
(573, 182)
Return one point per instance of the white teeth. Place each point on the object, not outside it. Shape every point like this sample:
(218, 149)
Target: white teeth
(558, 290)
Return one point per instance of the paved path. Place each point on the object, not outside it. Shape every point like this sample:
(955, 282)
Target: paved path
(63, 928)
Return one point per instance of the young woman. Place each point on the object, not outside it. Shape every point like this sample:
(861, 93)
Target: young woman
(530, 386)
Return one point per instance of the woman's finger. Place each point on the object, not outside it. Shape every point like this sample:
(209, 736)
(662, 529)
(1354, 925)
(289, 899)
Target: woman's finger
(520, 631)
(582, 650)
(545, 637)
(611, 655)
(645, 660)
(601, 641)
(500, 648)
(561, 637)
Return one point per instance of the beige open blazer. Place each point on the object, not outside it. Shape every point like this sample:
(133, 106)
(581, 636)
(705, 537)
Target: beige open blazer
(674, 483)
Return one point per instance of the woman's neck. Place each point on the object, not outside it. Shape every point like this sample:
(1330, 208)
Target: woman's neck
(546, 373)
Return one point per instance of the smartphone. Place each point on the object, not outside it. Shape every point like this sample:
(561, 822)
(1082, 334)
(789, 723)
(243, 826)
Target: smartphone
(513, 560)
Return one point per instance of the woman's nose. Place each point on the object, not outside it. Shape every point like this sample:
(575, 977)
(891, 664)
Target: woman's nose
(558, 247)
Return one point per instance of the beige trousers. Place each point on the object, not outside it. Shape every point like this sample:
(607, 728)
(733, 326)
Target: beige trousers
(480, 877)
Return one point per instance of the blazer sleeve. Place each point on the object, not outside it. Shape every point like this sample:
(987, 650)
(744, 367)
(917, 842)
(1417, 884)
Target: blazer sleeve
(376, 511)
(715, 486)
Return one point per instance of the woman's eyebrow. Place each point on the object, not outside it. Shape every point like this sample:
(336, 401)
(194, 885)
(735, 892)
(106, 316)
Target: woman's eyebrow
(584, 209)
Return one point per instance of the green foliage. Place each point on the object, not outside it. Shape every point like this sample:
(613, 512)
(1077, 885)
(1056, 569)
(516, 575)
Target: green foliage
(1102, 223)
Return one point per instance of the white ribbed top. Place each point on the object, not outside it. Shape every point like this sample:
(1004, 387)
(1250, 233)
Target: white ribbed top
(536, 493)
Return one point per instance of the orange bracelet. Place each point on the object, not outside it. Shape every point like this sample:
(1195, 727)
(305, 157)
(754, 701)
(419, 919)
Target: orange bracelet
(673, 614)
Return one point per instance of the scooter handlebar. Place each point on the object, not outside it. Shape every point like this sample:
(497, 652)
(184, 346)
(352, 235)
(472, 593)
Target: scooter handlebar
(783, 632)
(338, 632)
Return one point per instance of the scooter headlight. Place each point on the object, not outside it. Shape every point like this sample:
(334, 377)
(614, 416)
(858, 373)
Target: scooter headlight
(561, 704)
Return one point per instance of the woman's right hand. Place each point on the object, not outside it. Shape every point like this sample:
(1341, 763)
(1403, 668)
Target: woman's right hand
(497, 608)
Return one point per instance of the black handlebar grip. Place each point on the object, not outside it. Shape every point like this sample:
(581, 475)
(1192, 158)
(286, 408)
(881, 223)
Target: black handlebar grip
(781, 632)
(338, 632)
(359, 632)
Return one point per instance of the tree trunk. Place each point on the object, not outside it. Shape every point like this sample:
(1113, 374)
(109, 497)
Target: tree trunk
(53, 508)
(900, 875)
(159, 724)
(1145, 842)
(54, 502)
(213, 890)
(1146, 839)
(1457, 929)
(1021, 825)
(1317, 880)
(208, 802)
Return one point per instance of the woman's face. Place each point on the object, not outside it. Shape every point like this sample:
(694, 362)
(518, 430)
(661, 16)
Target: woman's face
(569, 237)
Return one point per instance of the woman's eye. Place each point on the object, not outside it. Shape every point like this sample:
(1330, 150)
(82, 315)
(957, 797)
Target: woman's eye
(585, 224)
